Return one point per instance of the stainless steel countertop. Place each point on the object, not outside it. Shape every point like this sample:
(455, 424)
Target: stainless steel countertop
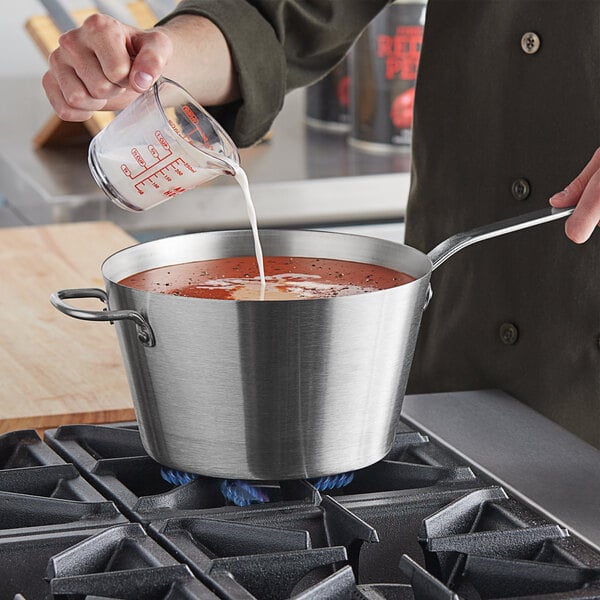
(301, 177)
(536, 460)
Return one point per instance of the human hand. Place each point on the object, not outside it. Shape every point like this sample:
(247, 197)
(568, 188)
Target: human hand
(103, 65)
(583, 191)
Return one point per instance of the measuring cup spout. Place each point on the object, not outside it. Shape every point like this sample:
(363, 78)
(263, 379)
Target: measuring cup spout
(452, 245)
(223, 165)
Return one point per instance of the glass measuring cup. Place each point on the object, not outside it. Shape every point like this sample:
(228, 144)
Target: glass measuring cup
(161, 145)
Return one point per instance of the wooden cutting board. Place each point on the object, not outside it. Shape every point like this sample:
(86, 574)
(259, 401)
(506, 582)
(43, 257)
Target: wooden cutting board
(54, 369)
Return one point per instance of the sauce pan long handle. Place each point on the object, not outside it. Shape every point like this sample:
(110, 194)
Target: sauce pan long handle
(452, 245)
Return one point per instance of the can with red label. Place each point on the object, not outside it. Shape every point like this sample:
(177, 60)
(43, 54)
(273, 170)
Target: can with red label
(383, 70)
(328, 101)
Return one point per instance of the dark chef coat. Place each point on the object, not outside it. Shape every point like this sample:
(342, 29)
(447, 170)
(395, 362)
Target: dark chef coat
(507, 113)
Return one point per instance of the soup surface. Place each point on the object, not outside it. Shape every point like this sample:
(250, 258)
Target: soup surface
(287, 278)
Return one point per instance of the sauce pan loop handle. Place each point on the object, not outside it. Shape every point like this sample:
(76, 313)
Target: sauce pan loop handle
(452, 245)
(144, 331)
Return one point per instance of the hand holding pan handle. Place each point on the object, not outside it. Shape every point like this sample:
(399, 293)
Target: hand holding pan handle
(444, 250)
(144, 331)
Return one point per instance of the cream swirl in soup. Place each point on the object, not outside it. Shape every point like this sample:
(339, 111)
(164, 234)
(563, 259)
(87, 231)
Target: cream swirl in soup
(287, 278)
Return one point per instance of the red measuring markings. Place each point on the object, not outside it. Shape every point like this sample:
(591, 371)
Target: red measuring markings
(190, 114)
(167, 174)
(147, 158)
(193, 119)
(138, 157)
(161, 140)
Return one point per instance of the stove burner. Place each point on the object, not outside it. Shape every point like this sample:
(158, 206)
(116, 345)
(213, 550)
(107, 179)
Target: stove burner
(177, 477)
(243, 493)
(332, 481)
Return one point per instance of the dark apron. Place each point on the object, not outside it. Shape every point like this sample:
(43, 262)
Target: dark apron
(497, 131)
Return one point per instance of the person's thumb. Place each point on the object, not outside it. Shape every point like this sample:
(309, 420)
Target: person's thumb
(152, 51)
(572, 193)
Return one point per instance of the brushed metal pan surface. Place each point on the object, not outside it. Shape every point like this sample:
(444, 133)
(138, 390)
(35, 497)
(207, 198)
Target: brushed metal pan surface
(269, 389)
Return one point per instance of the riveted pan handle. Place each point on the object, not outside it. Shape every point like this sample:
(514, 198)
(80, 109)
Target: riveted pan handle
(443, 251)
(144, 331)
(452, 245)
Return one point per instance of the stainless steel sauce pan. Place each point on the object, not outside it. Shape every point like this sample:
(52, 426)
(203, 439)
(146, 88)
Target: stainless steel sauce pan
(271, 390)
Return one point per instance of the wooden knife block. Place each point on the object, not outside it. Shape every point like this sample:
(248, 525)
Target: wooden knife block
(45, 35)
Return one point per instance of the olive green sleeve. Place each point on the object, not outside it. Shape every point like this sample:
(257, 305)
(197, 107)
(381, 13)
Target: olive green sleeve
(277, 46)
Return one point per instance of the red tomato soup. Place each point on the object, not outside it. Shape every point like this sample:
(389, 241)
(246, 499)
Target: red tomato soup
(287, 278)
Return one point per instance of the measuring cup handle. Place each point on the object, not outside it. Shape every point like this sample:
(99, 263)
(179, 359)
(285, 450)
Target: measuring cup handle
(144, 331)
(452, 245)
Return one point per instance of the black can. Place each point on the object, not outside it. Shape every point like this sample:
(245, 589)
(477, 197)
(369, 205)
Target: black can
(383, 71)
(328, 101)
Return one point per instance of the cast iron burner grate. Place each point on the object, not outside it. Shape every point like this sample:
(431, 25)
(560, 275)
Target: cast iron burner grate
(489, 545)
(86, 514)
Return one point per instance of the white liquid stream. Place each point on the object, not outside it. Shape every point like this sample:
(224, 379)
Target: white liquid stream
(242, 179)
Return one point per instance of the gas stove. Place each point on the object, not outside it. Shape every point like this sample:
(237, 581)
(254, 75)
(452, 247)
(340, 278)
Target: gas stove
(87, 514)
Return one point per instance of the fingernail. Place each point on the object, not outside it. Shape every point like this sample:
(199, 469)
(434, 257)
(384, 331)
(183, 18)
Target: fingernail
(143, 80)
